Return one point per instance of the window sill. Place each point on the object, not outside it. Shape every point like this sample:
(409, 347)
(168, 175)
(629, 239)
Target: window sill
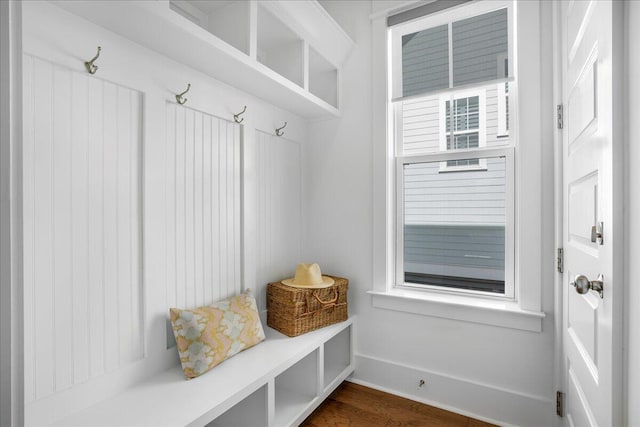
(506, 314)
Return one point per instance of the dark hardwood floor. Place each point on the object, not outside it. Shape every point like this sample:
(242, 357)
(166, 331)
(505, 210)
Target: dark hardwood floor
(353, 405)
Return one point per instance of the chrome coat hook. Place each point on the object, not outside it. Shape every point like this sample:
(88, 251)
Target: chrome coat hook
(179, 98)
(90, 66)
(279, 130)
(236, 117)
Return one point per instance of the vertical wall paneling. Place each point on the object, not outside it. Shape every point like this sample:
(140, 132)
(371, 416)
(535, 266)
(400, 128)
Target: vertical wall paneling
(42, 307)
(223, 201)
(279, 209)
(204, 210)
(80, 230)
(28, 236)
(216, 235)
(83, 310)
(95, 202)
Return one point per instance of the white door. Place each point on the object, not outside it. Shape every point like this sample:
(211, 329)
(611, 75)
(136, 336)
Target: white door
(592, 323)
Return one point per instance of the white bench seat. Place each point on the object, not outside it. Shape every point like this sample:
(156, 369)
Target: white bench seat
(168, 399)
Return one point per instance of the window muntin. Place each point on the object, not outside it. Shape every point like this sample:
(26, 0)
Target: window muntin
(468, 129)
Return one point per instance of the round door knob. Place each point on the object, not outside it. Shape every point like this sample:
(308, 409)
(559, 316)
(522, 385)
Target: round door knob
(584, 285)
(581, 283)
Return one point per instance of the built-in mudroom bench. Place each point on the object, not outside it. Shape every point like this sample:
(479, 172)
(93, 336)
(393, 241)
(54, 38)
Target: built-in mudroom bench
(163, 168)
(279, 382)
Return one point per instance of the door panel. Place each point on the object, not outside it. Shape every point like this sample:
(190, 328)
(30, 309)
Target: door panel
(576, 399)
(588, 168)
(583, 195)
(583, 318)
(581, 105)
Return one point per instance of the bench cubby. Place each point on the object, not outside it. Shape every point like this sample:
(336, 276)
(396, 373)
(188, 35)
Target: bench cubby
(337, 357)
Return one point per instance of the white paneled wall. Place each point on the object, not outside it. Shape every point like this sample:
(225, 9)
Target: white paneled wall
(82, 225)
(203, 207)
(279, 208)
(200, 212)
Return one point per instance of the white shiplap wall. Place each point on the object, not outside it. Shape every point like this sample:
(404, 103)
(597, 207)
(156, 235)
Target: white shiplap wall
(279, 208)
(179, 161)
(82, 197)
(203, 207)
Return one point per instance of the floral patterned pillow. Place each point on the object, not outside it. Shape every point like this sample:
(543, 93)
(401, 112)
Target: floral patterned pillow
(206, 336)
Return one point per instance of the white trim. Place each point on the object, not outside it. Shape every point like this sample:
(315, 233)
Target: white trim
(527, 205)
(631, 225)
(466, 308)
(11, 294)
(465, 396)
(559, 359)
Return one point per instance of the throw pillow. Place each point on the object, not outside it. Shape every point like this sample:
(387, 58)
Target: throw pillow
(206, 336)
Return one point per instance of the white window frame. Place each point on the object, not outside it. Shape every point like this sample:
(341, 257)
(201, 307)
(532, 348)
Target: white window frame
(444, 155)
(531, 204)
(482, 129)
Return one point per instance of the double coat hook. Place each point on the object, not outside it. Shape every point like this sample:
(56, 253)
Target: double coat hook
(236, 117)
(90, 66)
(279, 130)
(180, 98)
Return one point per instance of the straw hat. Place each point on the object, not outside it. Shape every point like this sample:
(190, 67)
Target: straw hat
(309, 276)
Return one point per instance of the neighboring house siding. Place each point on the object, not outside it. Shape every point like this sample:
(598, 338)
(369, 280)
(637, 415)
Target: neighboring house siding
(462, 251)
(421, 125)
(425, 61)
(470, 197)
(477, 43)
(492, 118)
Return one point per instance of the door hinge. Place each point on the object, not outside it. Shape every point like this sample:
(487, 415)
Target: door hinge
(560, 260)
(559, 403)
(560, 115)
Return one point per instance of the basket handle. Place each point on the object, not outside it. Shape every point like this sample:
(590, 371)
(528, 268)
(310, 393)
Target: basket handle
(330, 301)
(325, 304)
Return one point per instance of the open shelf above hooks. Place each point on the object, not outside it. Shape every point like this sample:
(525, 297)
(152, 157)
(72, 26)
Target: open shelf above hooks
(287, 53)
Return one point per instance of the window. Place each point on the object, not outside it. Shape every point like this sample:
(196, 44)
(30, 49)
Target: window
(454, 160)
(463, 123)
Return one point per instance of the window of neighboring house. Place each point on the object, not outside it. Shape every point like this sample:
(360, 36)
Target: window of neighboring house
(454, 175)
(463, 123)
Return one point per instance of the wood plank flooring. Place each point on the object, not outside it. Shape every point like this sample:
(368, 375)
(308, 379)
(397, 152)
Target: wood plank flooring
(353, 405)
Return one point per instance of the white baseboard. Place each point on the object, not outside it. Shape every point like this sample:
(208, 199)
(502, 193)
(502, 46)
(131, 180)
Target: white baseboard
(466, 397)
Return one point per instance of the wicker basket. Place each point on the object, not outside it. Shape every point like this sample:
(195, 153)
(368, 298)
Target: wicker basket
(294, 311)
